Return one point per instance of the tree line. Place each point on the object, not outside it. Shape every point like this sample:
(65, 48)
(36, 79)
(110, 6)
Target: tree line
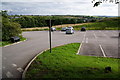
(39, 21)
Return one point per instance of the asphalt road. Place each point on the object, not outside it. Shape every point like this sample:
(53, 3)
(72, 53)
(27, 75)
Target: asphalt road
(95, 43)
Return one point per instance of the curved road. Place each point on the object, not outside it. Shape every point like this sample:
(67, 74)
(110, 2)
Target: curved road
(16, 57)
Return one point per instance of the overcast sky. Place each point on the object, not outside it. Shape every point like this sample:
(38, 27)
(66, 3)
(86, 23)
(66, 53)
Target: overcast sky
(59, 7)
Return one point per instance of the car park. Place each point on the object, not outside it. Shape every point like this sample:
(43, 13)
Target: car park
(69, 30)
(64, 29)
(83, 29)
(53, 29)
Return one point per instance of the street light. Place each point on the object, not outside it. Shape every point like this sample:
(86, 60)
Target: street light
(49, 24)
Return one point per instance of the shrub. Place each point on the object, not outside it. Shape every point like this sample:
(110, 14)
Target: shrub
(10, 29)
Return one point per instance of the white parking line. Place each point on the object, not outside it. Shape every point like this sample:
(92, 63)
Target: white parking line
(95, 35)
(81, 43)
(84, 37)
(9, 75)
(15, 43)
(102, 50)
(14, 65)
(86, 40)
(79, 48)
(20, 69)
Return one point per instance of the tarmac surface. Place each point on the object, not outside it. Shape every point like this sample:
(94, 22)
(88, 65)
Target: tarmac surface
(15, 57)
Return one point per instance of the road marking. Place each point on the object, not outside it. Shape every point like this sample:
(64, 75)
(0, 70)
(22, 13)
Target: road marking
(86, 40)
(81, 43)
(14, 65)
(9, 75)
(95, 35)
(79, 48)
(102, 50)
(20, 69)
(14, 43)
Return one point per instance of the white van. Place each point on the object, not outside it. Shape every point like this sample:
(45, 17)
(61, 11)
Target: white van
(69, 30)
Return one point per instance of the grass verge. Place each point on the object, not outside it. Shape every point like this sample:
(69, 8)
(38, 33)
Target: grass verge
(4, 43)
(64, 63)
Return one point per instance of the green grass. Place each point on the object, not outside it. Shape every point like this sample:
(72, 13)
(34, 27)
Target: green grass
(4, 43)
(64, 63)
(105, 24)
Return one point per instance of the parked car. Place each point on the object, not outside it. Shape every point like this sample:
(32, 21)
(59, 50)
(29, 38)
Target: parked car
(64, 29)
(69, 30)
(53, 29)
(83, 29)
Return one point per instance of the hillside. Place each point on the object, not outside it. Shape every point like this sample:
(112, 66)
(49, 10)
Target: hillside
(105, 24)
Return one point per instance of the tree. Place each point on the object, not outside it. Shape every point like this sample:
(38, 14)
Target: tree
(9, 29)
(97, 3)
(4, 13)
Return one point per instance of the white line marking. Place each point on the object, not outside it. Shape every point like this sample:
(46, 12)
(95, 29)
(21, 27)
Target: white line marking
(102, 51)
(86, 40)
(95, 35)
(14, 65)
(79, 48)
(81, 43)
(9, 75)
(20, 69)
(14, 43)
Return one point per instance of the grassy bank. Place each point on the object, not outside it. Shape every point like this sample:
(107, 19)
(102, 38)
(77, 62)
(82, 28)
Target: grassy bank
(4, 43)
(105, 24)
(64, 63)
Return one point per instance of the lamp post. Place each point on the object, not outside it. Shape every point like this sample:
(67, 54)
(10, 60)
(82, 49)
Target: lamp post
(49, 24)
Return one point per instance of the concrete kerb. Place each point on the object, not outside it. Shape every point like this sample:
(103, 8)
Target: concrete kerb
(15, 43)
(25, 70)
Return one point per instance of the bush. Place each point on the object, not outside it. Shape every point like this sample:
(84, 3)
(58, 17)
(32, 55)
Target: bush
(10, 29)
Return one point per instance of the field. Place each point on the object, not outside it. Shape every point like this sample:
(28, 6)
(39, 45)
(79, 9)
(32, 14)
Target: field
(58, 27)
(105, 24)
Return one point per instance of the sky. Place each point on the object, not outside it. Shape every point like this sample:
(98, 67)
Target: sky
(58, 7)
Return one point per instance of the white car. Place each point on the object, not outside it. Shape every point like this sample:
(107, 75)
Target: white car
(70, 27)
(69, 30)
